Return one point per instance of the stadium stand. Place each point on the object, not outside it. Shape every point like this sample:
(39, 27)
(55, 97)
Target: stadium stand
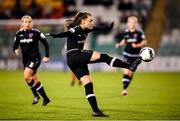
(170, 40)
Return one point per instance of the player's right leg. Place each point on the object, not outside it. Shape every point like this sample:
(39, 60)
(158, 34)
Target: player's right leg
(28, 78)
(126, 80)
(112, 61)
(73, 79)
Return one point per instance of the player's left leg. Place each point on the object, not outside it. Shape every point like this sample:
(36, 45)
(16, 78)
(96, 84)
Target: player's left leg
(39, 87)
(126, 80)
(82, 73)
(28, 72)
(88, 85)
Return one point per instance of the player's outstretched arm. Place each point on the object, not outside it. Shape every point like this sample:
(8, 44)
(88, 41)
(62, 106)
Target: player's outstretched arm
(59, 35)
(104, 28)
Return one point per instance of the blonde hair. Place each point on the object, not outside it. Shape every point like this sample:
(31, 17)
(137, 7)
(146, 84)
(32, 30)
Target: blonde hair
(26, 16)
(138, 25)
(133, 18)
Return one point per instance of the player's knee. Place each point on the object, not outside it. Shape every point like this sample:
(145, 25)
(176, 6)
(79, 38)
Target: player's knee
(85, 79)
(95, 56)
(27, 78)
(128, 72)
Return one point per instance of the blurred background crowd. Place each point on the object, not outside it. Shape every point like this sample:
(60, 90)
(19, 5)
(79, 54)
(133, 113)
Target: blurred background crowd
(159, 20)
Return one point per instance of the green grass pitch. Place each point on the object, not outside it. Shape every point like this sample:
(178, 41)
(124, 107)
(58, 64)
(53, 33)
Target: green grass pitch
(151, 96)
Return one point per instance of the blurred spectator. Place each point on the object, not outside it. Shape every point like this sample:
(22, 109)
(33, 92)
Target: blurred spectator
(124, 16)
(100, 22)
(174, 36)
(125, 5)
(98, 2)
(6, 8)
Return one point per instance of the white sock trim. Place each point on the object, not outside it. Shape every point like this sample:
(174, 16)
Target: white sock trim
(90, 95)
(39, 87)
(125, 80)
(33, 85)
(112, 61)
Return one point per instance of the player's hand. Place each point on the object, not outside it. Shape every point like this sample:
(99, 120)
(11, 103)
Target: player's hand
(16, 52)
(111, 24)
(48, 34)
(117, 45)
(45, 59)
(134, 45)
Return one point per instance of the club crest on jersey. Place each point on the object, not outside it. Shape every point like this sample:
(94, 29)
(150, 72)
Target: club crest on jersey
(30, 35)
(135, 35)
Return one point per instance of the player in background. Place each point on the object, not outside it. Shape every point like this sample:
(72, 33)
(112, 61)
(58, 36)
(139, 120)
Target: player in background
(27, 38)
(78, 58)
(74, 80)
(134, 39)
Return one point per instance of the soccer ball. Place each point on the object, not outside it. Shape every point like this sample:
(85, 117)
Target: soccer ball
(147, 54)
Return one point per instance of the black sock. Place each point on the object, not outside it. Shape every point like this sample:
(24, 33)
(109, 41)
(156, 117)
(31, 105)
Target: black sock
(105, 58)
(126, 81)
(91, 96)
(40, 89)
(114, 62)
(33, 89)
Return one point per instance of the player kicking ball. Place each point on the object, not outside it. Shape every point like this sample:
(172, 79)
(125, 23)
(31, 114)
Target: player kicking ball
(79, 58)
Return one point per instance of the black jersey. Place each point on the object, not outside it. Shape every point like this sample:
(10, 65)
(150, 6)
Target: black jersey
(76, 36)
(28, 41)
(132, 37)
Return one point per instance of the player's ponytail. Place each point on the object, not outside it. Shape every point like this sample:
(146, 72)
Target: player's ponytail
(77, 20)
(67, 24)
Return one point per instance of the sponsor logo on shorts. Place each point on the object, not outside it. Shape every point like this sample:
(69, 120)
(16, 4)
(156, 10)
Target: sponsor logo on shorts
(31, 64)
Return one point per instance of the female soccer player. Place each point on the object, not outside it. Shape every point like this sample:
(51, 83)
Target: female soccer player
(78, 58)
(28, 38)
(134, 39)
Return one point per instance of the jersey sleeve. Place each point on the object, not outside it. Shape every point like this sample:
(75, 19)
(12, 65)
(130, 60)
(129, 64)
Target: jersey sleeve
(16, 42)
(43, 40)
(103, 28)
(63, 34)
(60, 35)
(124, 35)
(142, 36)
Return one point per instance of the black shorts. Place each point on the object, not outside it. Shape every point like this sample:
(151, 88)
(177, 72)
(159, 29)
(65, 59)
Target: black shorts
(32, 63)
(129, 59)
(77, 61)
